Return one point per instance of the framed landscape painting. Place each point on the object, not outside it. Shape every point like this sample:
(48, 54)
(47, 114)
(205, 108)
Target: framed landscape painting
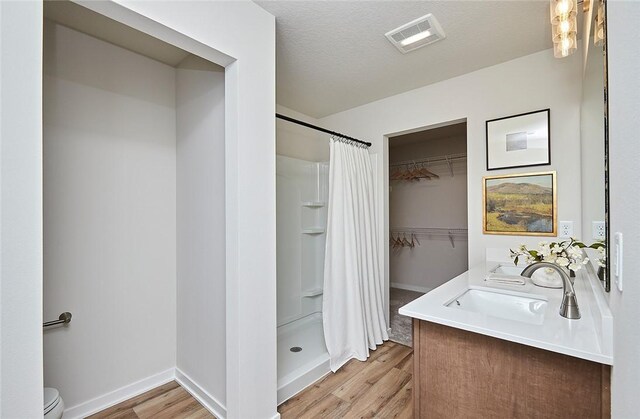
(519, 140)
(521, 204)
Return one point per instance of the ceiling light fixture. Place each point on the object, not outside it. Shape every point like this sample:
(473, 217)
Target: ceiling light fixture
(563, 27)
(415, 38)
(416, 34)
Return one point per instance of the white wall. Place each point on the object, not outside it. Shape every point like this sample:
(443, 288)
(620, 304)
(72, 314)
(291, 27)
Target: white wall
(201, 230)
(528, 83)
(299, 142)
(109, 215)
(436, 203)
(20, 210)
(250, 190)
(624, 154)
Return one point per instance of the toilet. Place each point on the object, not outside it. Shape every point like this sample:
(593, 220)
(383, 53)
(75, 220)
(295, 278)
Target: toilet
(53, 404)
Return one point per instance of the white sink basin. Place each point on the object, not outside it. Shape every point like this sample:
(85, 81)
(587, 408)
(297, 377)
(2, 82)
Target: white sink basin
(495, 303)
(508, 270)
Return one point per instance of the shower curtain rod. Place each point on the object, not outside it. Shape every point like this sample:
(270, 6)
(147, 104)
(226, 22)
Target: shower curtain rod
(317, 128)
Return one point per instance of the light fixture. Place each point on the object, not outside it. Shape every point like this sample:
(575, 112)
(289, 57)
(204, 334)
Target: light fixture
(563, 27)
(562, 9)
(598, 33)
(415, 38)
(416, 34)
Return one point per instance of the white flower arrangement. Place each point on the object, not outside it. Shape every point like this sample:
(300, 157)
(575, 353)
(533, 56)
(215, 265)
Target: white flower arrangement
(602, 250)
(567, 254)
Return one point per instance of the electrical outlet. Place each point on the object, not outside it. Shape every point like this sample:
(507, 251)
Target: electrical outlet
(599, 230)
(566, 229)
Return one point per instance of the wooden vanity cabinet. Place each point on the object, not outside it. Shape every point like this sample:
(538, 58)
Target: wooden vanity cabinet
(460, 374)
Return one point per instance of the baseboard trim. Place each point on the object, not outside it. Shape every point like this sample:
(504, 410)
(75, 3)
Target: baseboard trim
(207, 400)
(409, 287)
(114, 397)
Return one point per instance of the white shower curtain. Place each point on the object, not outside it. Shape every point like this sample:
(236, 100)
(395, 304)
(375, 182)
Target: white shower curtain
(352, 307)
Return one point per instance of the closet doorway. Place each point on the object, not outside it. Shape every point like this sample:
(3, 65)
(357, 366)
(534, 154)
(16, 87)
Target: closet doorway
(427, 216)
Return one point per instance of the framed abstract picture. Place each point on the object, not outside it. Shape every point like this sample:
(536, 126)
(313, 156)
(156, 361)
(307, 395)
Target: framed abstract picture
(519, 140)
(521, 204)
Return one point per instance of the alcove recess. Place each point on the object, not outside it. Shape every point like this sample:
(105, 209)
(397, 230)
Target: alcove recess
(134, 209)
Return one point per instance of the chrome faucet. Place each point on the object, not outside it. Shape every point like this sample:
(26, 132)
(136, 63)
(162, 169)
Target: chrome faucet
(569, 307)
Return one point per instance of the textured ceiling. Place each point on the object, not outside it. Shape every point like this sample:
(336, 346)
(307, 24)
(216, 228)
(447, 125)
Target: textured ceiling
(333, 55)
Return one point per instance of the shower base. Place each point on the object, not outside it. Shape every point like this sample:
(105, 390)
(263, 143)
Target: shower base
(302, 355)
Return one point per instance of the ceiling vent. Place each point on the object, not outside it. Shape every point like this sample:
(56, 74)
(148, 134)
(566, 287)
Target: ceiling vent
(416, 34)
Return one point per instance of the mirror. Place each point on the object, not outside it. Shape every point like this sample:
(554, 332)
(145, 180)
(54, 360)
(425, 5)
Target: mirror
(594, 135)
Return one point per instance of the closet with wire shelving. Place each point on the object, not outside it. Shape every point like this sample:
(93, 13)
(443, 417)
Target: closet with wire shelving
(427, 207)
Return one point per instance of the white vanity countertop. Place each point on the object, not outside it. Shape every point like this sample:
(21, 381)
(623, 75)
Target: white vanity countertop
(589, 337)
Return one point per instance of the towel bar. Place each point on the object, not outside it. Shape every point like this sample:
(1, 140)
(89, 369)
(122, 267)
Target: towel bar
(63, 319)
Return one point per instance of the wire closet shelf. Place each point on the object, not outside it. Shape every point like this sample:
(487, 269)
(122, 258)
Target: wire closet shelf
(427, 232)
(448, 159)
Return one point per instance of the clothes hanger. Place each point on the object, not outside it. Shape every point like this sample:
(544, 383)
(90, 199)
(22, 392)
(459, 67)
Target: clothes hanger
(405, 242)
(394, 241)
(395, 174)
(429, 172)
(424, 173)
(407, 174)
(412, 174)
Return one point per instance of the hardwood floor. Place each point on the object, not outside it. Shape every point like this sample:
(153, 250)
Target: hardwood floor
(164, 402)
(378, 388)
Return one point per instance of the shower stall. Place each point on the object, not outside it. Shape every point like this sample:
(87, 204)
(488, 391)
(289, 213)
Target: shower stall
(302, 188)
